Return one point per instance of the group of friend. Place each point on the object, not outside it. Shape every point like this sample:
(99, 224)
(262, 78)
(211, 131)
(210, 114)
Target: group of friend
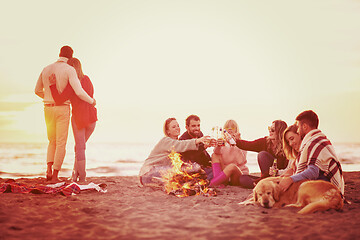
(60, 84)
(301, 150)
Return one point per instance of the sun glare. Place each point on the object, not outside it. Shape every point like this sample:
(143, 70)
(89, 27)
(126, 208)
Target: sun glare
(25, 121)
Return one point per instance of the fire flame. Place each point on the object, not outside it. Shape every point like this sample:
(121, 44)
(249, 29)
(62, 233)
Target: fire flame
(183, 179)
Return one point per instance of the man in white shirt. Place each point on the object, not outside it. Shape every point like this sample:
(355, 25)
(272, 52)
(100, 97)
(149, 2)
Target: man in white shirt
(57, 117)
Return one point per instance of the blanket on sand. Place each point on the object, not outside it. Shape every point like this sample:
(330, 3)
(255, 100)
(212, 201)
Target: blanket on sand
(62, 188)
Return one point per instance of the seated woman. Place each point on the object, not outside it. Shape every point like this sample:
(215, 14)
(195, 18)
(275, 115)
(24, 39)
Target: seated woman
(291, 146)
(158, 161)
(269, 147)
(229, 162)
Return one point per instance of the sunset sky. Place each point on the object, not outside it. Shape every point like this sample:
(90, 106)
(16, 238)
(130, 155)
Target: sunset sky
(251, 61)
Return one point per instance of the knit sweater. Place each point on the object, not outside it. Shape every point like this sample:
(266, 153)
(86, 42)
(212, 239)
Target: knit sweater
(159, 156)
(232, 154)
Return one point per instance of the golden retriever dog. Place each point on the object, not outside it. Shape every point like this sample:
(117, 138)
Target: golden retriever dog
(312, 196)
(318, 195)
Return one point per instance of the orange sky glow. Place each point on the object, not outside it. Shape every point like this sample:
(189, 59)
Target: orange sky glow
(150, 60)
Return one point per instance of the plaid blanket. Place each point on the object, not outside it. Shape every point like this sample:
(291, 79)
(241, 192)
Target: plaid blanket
(64, 189)
(317, 150)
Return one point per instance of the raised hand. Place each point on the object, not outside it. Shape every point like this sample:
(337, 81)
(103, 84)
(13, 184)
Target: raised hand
(203, 140)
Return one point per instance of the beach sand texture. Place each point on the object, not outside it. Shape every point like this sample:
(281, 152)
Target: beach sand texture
(129, 211)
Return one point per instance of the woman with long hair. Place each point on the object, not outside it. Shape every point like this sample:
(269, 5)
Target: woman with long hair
(291, 145)
(158, 161)
(83, 119)
(269, 147)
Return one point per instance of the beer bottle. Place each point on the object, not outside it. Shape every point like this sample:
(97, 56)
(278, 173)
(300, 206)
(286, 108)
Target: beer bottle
(274, 168)
(229, 138)
(221, 137)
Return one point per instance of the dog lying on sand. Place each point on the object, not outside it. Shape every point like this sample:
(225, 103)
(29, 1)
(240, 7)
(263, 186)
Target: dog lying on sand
(311, 196)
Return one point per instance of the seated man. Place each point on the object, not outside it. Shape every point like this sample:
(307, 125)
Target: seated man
(200, 156)
(317, 159)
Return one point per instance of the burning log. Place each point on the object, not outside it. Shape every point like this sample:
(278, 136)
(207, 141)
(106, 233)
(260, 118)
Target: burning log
(186, 179)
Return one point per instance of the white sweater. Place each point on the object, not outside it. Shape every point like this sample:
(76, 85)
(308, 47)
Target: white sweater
(159, 155)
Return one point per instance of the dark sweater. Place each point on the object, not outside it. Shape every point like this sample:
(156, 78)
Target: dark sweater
(199, 156)
(260, 145)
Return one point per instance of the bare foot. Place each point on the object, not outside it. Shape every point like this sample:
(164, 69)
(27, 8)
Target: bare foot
(49, 171)
(49, 175)
(55, 180)
(55, 175)
(82, 182)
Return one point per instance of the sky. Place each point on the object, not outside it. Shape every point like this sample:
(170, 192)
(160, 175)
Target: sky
(251, 61)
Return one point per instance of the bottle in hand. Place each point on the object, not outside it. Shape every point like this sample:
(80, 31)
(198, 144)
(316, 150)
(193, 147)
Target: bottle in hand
(229, 138)
(274, 168)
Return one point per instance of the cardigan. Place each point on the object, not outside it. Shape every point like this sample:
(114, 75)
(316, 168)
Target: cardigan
(159, 156)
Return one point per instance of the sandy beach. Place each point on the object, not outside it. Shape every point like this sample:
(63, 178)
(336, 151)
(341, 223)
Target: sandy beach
(129, 211)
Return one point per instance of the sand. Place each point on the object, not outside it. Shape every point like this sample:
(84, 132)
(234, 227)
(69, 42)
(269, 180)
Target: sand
(129, 211)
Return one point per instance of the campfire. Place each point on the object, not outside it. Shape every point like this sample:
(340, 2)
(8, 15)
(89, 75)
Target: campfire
(186, 179)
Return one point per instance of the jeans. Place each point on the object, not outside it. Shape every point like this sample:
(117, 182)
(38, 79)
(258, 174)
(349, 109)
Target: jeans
(209, 173)
(81, 136)
(246, 181)
(154, 176)
(265, 161)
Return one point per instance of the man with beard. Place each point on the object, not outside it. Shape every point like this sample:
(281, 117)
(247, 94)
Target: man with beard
(200, 156)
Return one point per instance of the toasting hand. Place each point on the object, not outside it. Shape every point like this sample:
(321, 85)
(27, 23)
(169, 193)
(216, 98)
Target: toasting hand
(204, 140)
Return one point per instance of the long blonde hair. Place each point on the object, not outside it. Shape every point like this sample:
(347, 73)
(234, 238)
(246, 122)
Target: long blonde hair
(277, 144)
(290, 152)
(75, 63)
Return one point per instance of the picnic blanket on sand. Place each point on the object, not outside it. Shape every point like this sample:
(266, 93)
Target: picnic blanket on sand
(62, 188)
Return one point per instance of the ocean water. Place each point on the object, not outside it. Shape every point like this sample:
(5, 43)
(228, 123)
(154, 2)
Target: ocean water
(117, 159)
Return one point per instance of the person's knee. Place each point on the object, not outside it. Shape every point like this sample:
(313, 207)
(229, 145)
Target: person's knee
(246, 181)
(79, 148)
(52, 143)
(231, 167)
(264, 156)
(60, 144)
(80, 155)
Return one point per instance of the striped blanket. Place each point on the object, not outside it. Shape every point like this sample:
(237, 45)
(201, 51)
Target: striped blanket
(62, 188)
(317, 150)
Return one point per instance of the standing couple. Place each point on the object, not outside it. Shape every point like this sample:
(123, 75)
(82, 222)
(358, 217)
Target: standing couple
(60, 84)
